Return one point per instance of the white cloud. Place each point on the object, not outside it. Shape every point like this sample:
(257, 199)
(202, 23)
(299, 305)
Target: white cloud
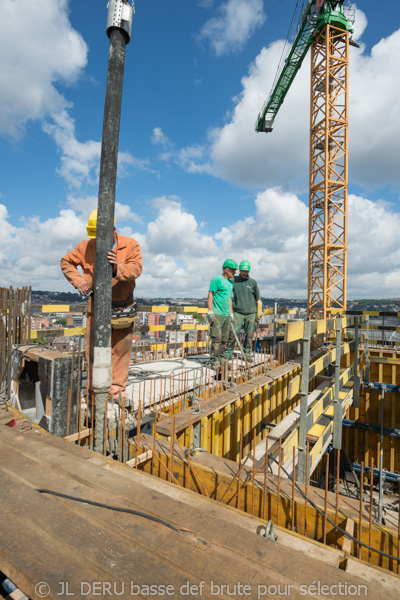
(180, 260)
(123, 213)
(192, 159)
(159, 137)
(373, 248)
(35, 248)
(258, 159)
(374, 126)
(281, 158)
(236, 24)
(80, 161)
(86, 204)
(29, 73)
(205, 3)
(175, 232)
(360, 23)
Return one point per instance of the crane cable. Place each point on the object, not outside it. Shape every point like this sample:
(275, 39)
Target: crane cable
(289, 38)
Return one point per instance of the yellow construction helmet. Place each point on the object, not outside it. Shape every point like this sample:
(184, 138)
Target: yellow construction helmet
(91, 227)
(92, 224)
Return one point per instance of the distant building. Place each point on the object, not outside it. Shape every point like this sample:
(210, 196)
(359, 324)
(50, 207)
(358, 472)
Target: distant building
(39, 323)
(62, 344)
(154, 319)
(142, 318)
(182, 318)
(170, 318)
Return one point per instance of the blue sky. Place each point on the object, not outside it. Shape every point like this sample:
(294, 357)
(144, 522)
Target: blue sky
(196, 184)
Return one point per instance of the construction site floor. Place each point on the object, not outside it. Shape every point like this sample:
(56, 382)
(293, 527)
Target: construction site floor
(56, 547)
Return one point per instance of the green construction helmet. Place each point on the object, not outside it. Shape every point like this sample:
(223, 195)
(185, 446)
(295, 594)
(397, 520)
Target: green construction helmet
(230, 263)
(244, 265)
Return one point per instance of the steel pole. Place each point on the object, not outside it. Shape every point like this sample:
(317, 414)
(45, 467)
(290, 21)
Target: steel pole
(102, 367)
(380, 502)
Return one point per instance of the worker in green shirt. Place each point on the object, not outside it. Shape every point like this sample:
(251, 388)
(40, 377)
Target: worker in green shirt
(220, 311)
(245, 297)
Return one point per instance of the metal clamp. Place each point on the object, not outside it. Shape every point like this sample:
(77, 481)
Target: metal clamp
(120, 15)
(25, 425)
(193, 450)
(270, 531)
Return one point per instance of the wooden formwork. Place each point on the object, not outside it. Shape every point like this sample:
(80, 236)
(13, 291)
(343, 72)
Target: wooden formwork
(274, 498)
(364, 444)
(229, 420)
(15, 323)
(145, 534)
(231, 424)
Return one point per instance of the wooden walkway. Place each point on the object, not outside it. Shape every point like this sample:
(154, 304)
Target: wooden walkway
(55, 547)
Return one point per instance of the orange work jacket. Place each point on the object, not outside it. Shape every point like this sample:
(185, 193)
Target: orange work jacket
(129, 267)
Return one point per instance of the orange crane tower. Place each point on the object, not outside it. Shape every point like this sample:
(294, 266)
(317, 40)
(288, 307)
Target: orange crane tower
(324, 26)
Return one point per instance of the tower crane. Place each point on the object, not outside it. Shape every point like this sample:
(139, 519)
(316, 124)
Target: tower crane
(323, 26)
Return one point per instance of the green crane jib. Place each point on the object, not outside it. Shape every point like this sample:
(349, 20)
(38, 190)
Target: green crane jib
(315, 15)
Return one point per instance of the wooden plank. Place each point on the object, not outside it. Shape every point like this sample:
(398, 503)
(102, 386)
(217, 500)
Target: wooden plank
(140, 459)
(346, 546)
(85, 472)
(171, 556)
(80, 435)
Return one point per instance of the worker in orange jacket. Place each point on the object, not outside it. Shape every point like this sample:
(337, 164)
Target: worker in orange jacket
(126, 260)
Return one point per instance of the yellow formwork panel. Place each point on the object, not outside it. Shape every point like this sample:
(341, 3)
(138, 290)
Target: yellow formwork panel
(294, 331)
(215, 445)
(203, 327)
(158, 347)
(294, 387)
(316, 430)
(160, 308)
(52, 308)
(287, 445)
(246, 424)
(188, 344)
(226, 431)
(187, 326)
(204, 434)
(235, 450)
(62, 332)
(316, 449)
(157, 327)
(74, 331)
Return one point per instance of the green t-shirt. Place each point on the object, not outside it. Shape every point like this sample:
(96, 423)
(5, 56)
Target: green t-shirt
(223, 290)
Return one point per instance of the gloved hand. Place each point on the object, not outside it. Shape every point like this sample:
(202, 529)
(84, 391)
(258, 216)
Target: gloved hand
(210, 316)
(231, 318)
